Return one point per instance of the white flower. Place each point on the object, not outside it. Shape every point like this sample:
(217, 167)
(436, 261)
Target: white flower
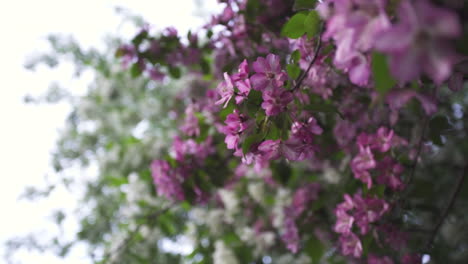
(214, 220)
(223, 254)
(331, 175)
(257, 191)
(247, 235)
(267, 239)
(283, 199)
(230, 201)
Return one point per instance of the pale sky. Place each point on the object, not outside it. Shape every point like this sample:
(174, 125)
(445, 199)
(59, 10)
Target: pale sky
(28, 132)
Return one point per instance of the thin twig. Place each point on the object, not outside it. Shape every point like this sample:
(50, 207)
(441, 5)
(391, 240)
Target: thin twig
(453, 198)
(418, 151)
(317, 50)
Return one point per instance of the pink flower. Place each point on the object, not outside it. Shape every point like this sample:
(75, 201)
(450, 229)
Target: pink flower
(411, 259)
(236, 124)
(365, 177)
(372, 259)
(276, 100)
(389, 173)
(305, 131)
(344, 222)
(363, 161)
(354, 25)
(348, 203)
(383, 140)
(394, 236)
(290, 235)
(295, 149)
(168, 182)
(397, 99)
(244, 89)
(268, 73)
(270, 149)
(344, 132)
(190, 126)
(243, 72)
(303, 196)
(225, 90)
(351, 245)
(420, 42)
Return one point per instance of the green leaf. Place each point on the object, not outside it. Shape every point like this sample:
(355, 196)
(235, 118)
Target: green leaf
(437, 126)
(378, 190)
(381, 73)
(229, 109)
(231, 238)
(422, 188)
(273, 132)
(295, 56)
(293, 70)
(135, 70)
(140, 37)
(439, 123)
(281, 172)
(311, 23)
(175, 72)
(294, 28)
(366, 243)
(249, 141)
(323, 108)
(205, 66)
(304, 4)
(117, 181)
(314, 249)
(209, 33)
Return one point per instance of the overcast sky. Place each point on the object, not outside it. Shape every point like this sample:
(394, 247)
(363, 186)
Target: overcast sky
(28, 132)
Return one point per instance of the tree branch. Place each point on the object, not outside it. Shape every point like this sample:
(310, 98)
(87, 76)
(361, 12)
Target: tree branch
(418, 151)
(451, 202)
(317, 50)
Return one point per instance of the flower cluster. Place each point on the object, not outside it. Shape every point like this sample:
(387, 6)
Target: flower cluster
(388, 170)
(360, 212)
(301, 200)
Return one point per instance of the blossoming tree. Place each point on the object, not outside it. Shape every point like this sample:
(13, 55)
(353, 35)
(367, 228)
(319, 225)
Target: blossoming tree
(326, 131)
(340, 107)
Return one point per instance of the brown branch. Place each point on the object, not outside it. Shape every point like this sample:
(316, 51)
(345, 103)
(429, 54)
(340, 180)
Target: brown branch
(451, 202)
(418, 151)
(301, 78)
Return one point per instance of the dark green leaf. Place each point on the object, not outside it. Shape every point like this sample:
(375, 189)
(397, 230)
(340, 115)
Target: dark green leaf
(437, 126)
(439, 123)
(304, 4)
(226, 111)
(378, 190)
(135, 70)
(323, 108)
(381, 73)
(315, 249)
(205, 66)
(311, 23)
(295, 56)
(231, 238)
(249, 141)
(294, 28)
(293, 70)
(281, 172)
(175, 72)
(273, 132)
(140, 37)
